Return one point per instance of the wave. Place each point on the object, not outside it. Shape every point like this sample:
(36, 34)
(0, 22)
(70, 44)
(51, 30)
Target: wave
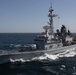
(67, 53)
(18, 60)
(15, 45)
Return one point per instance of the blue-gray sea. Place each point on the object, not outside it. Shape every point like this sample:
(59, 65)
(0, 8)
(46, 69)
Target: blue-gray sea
(61, 64)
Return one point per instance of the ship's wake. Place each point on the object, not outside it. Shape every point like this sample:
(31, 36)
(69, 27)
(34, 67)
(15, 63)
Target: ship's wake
(67, 53)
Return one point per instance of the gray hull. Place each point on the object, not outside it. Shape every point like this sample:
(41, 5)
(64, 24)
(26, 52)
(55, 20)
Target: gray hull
(32, 54)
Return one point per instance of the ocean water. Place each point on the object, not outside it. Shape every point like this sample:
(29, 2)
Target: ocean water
(60, 64)
(15, 40)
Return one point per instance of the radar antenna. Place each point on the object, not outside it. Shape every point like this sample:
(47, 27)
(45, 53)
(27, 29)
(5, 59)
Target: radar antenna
(51, 16)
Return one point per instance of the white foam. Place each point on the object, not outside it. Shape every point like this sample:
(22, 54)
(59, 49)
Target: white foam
(67, 53)
(63, 66)
(18, 60)
(18, 45)
(45, 57)
(15, 45)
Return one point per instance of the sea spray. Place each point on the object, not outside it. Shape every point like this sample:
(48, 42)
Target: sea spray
(67, 53)
(18, 60)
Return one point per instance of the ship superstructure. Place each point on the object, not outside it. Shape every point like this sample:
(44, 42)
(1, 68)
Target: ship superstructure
(47, 40)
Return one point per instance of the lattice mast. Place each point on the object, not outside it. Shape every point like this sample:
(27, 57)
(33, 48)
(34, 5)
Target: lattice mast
(51, 16)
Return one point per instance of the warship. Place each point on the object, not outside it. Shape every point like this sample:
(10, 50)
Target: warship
(46, 42)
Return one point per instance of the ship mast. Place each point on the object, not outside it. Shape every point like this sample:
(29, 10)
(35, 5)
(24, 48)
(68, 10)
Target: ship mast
(51, 16)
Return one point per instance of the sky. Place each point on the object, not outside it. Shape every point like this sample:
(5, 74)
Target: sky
(29, 16)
